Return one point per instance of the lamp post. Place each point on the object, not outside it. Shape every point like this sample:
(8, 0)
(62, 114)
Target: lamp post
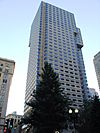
(56, 131)
(73, 114)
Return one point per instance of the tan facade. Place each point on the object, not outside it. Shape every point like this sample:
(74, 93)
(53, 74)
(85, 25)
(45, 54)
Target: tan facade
(16, 118)
(6, 73)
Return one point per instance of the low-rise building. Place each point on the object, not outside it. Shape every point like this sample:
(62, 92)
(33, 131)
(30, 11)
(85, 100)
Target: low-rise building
(6, 73)
(92, 92)
(16, 118)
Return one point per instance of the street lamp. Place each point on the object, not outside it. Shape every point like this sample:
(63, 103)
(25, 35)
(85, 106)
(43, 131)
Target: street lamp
(73, 114)
(56, 131)
(70, 111)
(76, 110)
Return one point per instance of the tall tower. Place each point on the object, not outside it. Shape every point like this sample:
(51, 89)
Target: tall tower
(6, 73)
(56, 39)
(97, 67)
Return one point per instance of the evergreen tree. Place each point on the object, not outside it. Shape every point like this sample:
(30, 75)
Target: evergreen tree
(49, 103)
(84, 117)
(95, 116)
(90, 117)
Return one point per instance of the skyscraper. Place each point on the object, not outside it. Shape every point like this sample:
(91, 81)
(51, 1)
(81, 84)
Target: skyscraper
(55, 38)
(97, 67)
(6, 73)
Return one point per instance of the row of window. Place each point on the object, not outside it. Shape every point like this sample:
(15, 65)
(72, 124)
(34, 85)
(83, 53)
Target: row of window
(69, 94)
(73, 90)
(73, 81)
(57, 23)
(67, 70)
(62, 32)
(67, 84)
(67, 76)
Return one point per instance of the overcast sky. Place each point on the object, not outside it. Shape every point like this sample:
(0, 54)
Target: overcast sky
(16, 17)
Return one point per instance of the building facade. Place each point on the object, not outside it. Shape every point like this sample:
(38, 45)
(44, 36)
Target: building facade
(96, 61)
(16, 118)
(55, 38)
(6, 73)
(92, 93)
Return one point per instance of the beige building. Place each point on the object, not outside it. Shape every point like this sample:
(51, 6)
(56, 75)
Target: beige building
(16, 118)
(6, 72)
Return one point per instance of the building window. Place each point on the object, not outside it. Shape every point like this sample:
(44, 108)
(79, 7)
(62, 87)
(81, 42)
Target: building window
(73, 95)
(4, 80)
(68, 93)
(74, 99)
(80, 100)
(0, 109)
(77, 82)
(73, 85)
(74, 105)
(79, 95)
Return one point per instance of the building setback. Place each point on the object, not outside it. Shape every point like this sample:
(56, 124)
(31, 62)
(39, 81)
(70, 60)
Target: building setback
(96, 61)
(6, 73)
(55, 38)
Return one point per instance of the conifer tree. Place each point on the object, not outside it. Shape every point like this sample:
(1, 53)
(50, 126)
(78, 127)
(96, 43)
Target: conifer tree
(95, 116)
(90, 117)
(49, 105)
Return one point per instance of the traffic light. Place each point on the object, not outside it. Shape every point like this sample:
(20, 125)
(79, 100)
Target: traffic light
(6, 123)
(11, 123)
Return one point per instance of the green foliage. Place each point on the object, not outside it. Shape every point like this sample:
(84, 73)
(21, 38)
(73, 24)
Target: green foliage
(95, 116)
(49, 103)
(90, 117)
